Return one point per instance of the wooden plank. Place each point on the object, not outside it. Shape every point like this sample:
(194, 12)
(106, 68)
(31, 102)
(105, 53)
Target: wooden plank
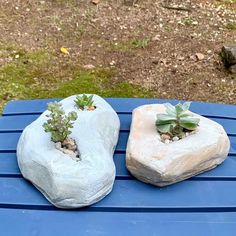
(18, 122)
(226, 171)
(134, 196)
(123, 105)
(47, 223)
(9, 141)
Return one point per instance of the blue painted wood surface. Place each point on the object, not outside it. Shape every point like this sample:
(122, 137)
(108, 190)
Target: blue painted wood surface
(202, 205)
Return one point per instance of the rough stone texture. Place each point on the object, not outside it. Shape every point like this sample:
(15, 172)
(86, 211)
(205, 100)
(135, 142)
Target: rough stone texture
(67, 183)
(232, 69)
(228, 55)
(155, 162)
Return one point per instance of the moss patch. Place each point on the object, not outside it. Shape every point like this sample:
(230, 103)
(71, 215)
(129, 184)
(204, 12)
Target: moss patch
(99, 81)
(38, 74)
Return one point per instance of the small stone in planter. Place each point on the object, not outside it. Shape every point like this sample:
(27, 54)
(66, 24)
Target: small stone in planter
(69, 144)
(69, 147)
(176, 138)
(167, 141)
(165, 137)
(92, 108)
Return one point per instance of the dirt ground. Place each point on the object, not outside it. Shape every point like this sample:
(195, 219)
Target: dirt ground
(142, 47)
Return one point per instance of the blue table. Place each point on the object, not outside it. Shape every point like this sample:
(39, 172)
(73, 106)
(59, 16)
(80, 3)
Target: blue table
(202, 205)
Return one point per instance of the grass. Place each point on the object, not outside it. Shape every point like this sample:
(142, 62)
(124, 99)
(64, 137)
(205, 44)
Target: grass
(131, 44)
(225, 3)
(38, 74)
(188, 21)
(231, 25)
(96, 82)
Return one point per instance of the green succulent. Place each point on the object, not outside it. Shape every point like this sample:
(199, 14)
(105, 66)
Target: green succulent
(84, 101)
(59, 124)
(177, 120)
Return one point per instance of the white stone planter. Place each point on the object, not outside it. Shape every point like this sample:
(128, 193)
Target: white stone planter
(67, 183)
(152, 161)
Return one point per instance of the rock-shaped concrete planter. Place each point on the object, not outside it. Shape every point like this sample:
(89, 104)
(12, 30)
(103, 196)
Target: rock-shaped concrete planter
(152, 161)
(67, 183)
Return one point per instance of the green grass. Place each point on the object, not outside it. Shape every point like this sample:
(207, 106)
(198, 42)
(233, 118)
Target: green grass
(96, 82)
(225, 3)
(188, 21)
(231, 25)
(38, 74)
(131, 44)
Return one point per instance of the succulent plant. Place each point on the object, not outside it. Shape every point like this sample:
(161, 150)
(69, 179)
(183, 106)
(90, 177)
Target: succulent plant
(177, 120)
(84, 101)
(59, 124)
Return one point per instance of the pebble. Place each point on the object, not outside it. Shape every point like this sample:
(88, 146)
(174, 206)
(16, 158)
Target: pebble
(156, 38)
(180, 58)
(74, 154)
(165, 137)
(167, 141)
(89, 66)
(95, 2)
(112, 63)
(175, 138)
(69, 152)
(92, 108)
(232, 69)
(200, 56)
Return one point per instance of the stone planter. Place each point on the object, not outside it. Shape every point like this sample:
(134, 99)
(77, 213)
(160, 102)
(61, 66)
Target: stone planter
(65, 182)
(152, 161)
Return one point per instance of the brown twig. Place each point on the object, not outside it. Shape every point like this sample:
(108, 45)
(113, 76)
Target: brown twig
(130, 2)
(175, 8)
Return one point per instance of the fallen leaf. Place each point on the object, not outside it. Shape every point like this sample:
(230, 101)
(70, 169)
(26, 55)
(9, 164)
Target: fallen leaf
(64, 50)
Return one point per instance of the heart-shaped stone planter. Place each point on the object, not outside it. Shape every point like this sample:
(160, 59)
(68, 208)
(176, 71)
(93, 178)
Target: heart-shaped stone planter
(152, 161)
(65, 182)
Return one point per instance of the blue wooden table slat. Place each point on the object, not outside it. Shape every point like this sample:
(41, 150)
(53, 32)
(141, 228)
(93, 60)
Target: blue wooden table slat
(133, 195)
(122, 105)
(69, 223)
